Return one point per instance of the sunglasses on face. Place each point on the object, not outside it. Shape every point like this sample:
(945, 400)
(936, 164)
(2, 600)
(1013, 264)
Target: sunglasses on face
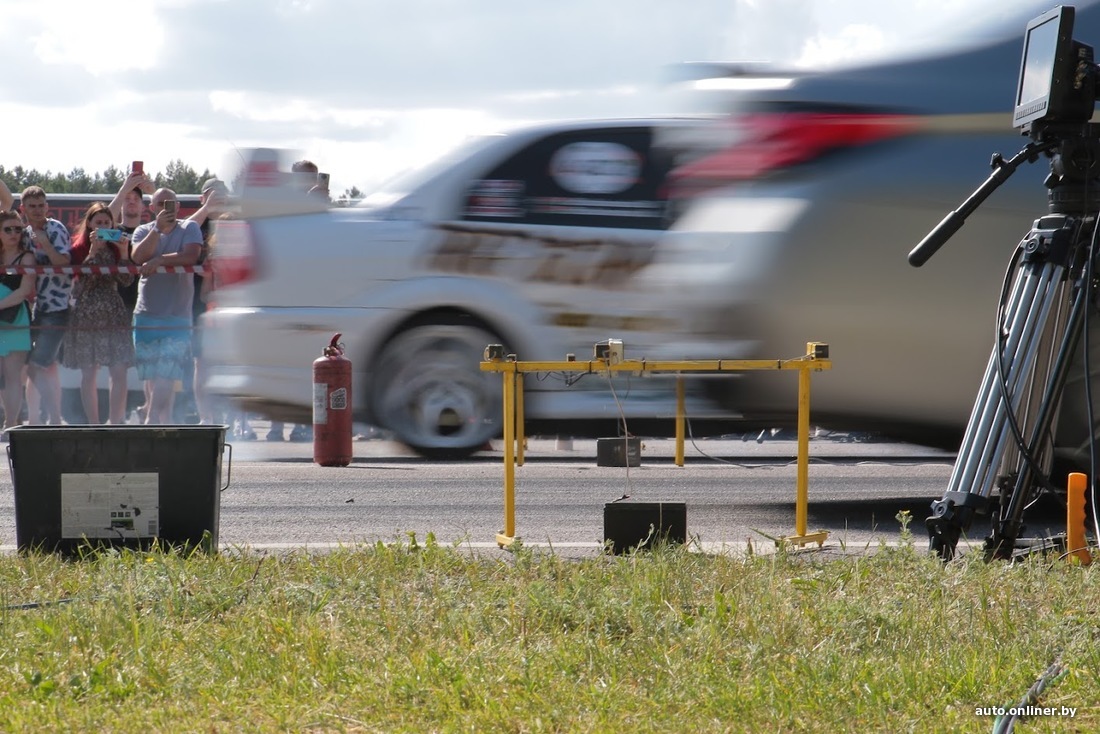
(12, 230)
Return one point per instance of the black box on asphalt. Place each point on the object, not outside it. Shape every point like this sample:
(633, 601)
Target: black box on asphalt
(116, 486)
(619, 451)
(628, 525)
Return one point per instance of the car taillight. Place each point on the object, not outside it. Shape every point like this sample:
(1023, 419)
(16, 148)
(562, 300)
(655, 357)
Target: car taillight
(768, 143)
(234, 253)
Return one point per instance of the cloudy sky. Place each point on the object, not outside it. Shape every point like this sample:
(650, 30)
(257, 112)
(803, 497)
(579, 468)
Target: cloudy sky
(367, 88)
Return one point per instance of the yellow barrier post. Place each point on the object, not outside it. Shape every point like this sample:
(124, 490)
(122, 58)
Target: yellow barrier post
(802, 478)
(509, 535)
(521, 434)
(680, 417)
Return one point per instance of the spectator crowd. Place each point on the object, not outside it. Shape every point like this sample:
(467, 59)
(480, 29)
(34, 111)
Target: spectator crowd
(138, 308)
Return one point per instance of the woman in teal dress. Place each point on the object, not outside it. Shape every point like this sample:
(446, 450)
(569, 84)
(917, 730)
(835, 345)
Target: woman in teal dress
(15, 321)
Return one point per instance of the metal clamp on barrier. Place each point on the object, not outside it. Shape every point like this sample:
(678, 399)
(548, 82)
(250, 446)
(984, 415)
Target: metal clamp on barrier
(608, 357)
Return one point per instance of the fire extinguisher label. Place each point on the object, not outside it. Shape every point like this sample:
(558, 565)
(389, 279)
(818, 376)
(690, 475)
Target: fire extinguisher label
(338, 399)
(320, 404)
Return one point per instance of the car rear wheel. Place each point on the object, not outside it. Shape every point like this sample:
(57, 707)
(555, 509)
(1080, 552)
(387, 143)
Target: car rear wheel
(428, 388)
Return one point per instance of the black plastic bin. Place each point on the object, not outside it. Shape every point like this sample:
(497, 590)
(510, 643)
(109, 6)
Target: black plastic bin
(619, 451)
(117, 486)
(640, 525)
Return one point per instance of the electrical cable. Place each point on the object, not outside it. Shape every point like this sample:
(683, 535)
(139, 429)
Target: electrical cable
(1039, 476)
(567, 378)
(1005, 723)
(626, 432)
(1090, 292)
(38, 604)
(791, 462)
(691, 436)
(1086, 359)
(1021, 444)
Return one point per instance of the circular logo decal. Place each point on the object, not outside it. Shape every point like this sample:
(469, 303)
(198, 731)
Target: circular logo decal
(595, 168)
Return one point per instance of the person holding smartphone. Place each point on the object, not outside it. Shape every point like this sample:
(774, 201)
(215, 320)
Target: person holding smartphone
(15, 327)
(99, 333)
(128, 203)
(163, 314)
(48, 239)
(127, 208)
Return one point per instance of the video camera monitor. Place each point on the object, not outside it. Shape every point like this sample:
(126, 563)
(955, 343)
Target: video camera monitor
(1048, 88)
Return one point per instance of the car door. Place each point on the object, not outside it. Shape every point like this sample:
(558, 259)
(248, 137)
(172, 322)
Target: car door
(606, 178)
(566, 220)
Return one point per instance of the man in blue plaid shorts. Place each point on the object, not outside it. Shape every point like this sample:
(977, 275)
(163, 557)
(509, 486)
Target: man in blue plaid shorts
(162, 317)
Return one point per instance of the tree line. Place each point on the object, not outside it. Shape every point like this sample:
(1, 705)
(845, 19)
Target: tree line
(178, 176)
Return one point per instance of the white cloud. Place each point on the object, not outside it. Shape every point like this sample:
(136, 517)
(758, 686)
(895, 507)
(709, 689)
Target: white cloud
(271, 108)
(367, 88)
(292, 8)
(389, 140)
(853, 42)
(78, 33)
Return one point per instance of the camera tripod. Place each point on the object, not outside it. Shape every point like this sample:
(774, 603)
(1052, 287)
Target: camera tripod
(1008, 442)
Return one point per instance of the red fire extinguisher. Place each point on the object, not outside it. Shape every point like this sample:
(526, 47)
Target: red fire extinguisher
(332, 406)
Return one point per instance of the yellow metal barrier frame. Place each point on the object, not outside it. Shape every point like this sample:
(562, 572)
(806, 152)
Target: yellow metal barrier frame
(514, 438)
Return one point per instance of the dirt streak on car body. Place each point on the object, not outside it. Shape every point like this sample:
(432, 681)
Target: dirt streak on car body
(527, 256)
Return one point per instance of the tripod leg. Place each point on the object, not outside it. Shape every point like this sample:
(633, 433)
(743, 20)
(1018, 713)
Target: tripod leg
(1035, 392)
(1034, 294)
(976, 469)
(1006, 529)
(1075, 435)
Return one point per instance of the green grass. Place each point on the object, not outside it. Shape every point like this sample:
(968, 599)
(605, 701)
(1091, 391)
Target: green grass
(418, 637)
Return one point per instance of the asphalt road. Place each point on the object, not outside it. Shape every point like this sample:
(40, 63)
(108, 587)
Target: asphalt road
(735, 492)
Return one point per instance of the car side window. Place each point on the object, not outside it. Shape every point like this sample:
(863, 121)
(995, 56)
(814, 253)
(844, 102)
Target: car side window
(609, 177)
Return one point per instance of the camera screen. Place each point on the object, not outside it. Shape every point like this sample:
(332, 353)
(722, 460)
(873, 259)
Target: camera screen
(1050, 91)
(1041, 46)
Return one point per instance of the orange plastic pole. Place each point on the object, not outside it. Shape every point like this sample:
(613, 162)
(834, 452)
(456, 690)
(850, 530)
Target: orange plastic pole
(1076, 549)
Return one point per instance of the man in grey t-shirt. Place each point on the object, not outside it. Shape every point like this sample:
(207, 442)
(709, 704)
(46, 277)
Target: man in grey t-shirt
(162, 317)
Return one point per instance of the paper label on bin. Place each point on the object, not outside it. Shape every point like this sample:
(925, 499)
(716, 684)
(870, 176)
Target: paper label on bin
(320, 405)
(110, 505)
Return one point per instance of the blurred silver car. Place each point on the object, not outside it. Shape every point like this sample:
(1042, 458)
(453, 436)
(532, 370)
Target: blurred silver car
(799, 229)
(528, 239)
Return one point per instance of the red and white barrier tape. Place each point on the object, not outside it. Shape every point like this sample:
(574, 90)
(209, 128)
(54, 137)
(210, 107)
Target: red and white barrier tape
(4, 326)
(100, 269)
